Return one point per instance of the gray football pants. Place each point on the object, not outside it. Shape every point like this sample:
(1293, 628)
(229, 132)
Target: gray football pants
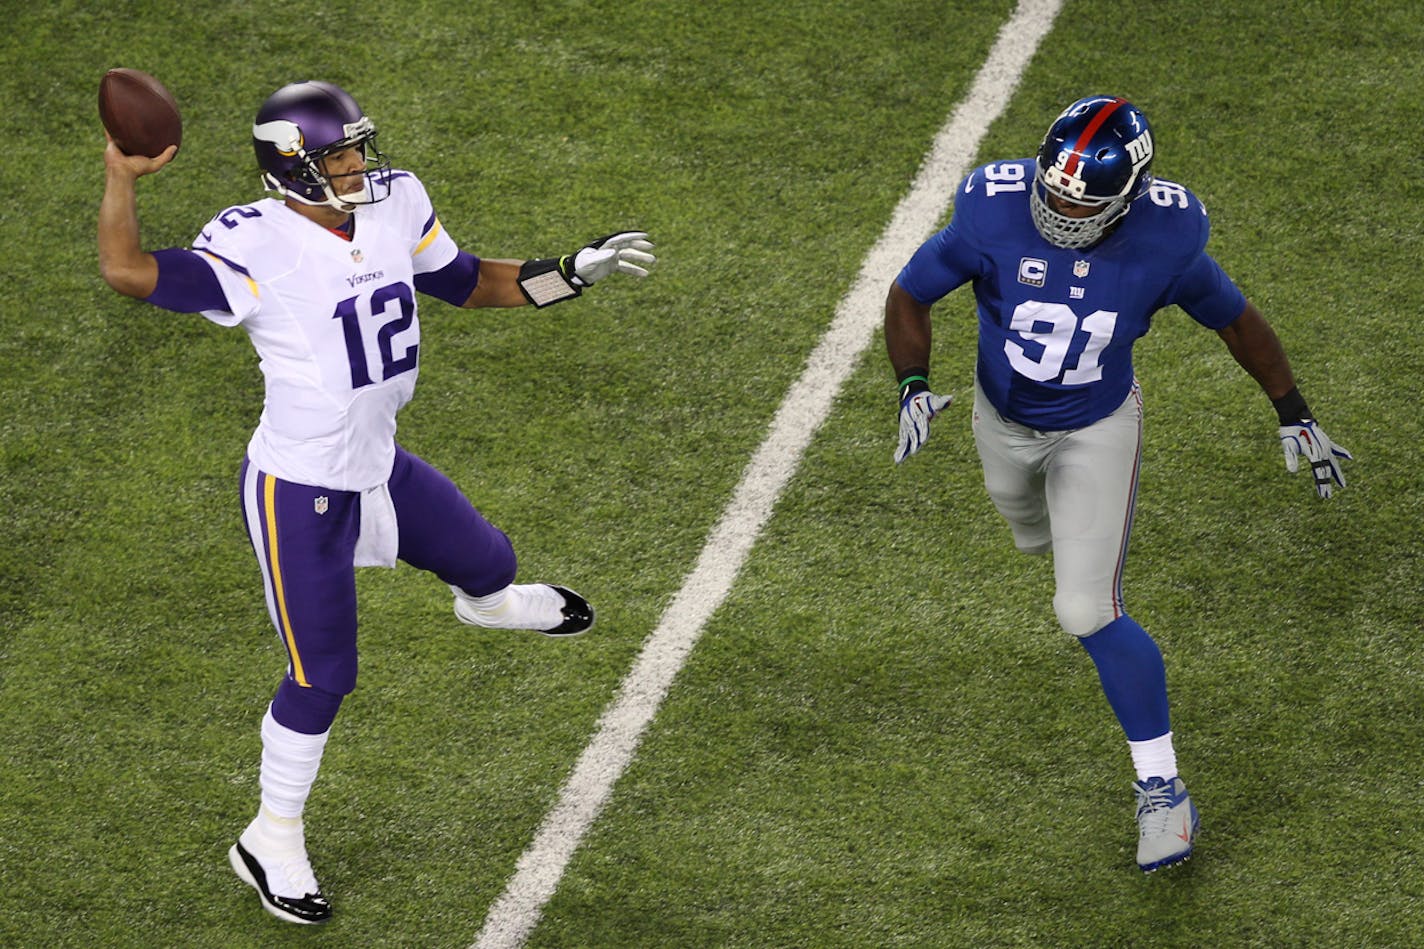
(1070, 492)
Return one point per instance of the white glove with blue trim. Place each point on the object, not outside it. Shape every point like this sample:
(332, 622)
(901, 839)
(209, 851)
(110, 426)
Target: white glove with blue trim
(1304, 438)
(916, 411)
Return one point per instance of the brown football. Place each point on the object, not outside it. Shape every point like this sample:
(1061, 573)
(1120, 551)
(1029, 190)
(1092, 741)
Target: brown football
(139, 112)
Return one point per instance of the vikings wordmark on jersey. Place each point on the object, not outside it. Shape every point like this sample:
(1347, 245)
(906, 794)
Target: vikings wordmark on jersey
(335, 325)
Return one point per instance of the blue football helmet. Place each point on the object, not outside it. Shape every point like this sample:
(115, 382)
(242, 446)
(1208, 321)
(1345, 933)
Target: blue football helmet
(1097, 153)
(302, 123)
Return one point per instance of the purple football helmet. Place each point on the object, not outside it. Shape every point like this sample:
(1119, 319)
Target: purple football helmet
(1097, 153)
(302, 123)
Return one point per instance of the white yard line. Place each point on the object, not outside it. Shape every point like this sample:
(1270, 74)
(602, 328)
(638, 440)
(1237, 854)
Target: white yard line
(515, 914)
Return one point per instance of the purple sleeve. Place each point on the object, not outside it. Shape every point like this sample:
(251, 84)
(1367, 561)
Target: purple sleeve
(1207, 294)
(454, 282)
(186, 284)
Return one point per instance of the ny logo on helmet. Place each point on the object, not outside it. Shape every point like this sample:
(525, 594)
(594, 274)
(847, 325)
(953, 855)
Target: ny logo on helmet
(1140, 150)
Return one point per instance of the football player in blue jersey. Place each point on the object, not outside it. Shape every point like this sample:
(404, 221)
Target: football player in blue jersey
(1070, 255)
(323, 277)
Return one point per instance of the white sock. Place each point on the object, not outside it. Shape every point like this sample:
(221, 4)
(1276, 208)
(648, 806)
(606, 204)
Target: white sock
(283, 832)
(290, 760)
(487, 603)
(517, 606)
(279, 846)
(1154, 758)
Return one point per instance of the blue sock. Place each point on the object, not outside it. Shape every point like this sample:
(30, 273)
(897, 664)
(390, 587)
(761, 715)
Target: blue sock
(1133, 676)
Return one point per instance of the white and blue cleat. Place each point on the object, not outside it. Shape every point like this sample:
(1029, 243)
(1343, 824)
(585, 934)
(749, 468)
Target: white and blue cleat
(1167, 823)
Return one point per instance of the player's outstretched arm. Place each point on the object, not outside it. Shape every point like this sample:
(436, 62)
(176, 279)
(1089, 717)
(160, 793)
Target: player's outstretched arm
(122, 261)
(554, 279)
(498, 285)
(1259, 351)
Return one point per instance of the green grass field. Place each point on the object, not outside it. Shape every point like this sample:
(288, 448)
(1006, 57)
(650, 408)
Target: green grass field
(882, 737)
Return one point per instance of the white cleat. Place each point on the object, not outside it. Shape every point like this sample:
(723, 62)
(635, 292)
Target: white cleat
(554, 611)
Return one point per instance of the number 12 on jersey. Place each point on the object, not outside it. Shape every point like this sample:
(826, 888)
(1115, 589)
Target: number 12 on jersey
(349, 312)
(1050, 329)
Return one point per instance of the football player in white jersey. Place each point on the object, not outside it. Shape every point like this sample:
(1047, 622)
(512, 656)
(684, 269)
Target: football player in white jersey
(323, 276)
(1070, 255)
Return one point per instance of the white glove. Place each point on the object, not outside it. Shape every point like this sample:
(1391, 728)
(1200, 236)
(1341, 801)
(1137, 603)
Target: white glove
(1304, 437)
(916, 410)
(626, 252)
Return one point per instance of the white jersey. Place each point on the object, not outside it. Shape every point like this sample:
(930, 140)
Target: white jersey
(334, 324)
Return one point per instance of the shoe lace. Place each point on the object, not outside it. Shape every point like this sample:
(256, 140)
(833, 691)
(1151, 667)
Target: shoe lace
(297, 869)
(1154, 808)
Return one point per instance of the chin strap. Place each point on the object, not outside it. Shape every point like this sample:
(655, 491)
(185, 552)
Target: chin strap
(332, 200)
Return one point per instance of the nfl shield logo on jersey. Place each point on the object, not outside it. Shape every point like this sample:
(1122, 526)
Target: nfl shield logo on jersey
(1080, 268)
(320, 504)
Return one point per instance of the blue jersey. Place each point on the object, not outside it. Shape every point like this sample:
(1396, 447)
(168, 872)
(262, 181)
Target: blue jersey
(1056, 325)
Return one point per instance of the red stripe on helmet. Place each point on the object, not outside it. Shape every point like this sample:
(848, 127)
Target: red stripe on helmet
(1088, 133)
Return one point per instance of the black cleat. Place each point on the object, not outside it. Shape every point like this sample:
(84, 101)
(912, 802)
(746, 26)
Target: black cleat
(578, 615)
(308, 909)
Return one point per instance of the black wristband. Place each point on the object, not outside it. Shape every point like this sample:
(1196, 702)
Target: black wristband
(912, 380)
(544, 281)
(1291, 407)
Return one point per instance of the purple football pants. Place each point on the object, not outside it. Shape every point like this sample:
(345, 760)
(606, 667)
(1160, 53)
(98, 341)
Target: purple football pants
(305, 540)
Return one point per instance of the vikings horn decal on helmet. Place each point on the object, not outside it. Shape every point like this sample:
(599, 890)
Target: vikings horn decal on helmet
(1097, 153)
(302, 123)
